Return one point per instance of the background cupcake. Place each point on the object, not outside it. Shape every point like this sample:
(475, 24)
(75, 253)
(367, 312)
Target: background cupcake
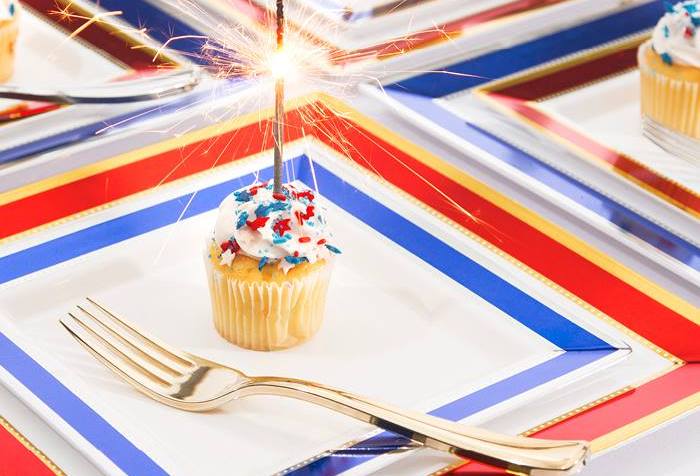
(9, 13)
(268, 263)
(670, 70)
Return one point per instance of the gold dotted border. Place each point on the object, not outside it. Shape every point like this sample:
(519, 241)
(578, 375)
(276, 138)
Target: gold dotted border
(53, 467)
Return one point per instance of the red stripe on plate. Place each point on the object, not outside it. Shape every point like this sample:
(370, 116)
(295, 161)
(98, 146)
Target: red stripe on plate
(26, 109)
(17, 460)
(572, 77)
(616, 413)
(98, 34)
(620, 162)
(125, 180)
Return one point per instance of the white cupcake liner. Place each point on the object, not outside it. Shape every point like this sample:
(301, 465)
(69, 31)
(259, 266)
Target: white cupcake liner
(267, 315)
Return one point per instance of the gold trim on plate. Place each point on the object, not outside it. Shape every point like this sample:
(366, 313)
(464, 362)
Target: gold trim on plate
(24, 441)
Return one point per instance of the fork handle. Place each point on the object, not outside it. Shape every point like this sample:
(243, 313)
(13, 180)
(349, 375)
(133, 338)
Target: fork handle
(526, 455)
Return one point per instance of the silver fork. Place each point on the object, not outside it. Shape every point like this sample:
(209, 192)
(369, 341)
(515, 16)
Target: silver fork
(189, 382)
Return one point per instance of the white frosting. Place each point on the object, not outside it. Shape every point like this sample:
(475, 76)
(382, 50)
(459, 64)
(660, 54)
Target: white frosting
(285, 231)
(676, 37)
(8, 9)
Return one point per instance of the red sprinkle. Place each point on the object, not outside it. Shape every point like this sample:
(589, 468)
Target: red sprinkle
(259, 222)
(322, 241)
(689, 33)
(301, 217)
(230, 245)
(254, 189)
(279, 196)
(296, 253)
(282, 226)
(305, 194)
(304, 239)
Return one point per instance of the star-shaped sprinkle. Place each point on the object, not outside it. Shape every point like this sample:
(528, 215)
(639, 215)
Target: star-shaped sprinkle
(227, 258)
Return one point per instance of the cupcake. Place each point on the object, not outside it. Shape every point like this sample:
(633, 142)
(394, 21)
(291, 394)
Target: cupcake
(670, 70)
(268, 263)
(9, 12)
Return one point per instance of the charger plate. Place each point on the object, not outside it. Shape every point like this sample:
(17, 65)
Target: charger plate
(494, 316)
(446, 106)
(48, 57)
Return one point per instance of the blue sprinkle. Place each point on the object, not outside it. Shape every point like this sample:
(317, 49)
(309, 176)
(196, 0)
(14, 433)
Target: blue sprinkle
(276, 206)
(282, 239)
(333, 249)
(262, 263)
(12, 9)
(295, 259)
(242, 218)
(242, 196)
(667, 58)
(667, 31)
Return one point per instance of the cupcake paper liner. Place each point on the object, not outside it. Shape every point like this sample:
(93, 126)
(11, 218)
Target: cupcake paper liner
(268, 315)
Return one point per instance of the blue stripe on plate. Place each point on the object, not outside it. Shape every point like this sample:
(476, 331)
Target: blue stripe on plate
(347, 458)
(542, 320)
(160, 25)
(628, 220)
(75, 412)
(526, 55)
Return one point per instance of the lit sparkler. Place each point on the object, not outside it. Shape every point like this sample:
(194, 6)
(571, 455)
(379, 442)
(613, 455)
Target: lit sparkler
(293, 56)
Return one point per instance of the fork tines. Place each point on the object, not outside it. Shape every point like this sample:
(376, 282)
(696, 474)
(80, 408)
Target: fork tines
(142, 360)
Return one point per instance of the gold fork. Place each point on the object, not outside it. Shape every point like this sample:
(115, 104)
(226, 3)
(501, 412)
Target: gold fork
(188, 382)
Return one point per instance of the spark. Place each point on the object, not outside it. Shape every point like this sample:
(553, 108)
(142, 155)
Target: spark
(306, 61)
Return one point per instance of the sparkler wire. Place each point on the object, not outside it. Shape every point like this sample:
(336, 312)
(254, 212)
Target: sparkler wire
(278, 125)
